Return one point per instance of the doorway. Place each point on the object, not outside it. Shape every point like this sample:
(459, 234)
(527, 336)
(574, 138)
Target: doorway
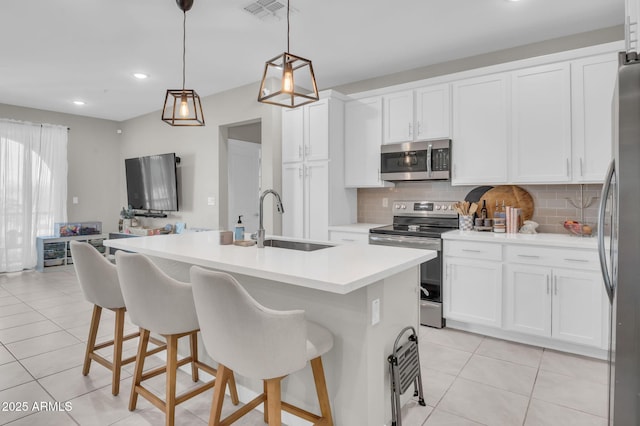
(244, 175)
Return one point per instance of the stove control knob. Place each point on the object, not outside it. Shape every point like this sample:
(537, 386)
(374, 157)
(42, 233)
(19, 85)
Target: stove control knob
(438, 206)
(397, 206)
(404, 207)
(450, 207)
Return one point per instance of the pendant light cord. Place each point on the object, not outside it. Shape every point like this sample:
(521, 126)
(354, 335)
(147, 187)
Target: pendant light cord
(288, 30)
(184, 46)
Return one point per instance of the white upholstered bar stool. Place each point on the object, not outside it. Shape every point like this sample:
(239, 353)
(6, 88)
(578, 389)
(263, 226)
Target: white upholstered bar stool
(99, 283)
(160, 304)
(260, 343)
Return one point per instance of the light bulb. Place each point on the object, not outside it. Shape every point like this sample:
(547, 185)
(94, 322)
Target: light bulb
(184, 106)
(287, 79)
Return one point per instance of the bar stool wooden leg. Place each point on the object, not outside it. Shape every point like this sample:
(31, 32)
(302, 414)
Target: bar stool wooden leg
(91, 341)
(321, 389)
(172, 367)
(274, 403)
(232, 389)
(218, 394)
(137, 375)
(193, 343)
(116, 365)
(266, 406)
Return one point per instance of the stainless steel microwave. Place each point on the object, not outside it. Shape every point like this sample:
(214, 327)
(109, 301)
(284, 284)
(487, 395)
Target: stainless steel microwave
(424, 160)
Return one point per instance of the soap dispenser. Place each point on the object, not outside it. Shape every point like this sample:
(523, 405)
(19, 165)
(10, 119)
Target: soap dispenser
(239, 231)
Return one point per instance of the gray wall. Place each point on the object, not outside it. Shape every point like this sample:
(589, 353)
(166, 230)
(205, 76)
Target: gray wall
(93, 153)
(203, 150)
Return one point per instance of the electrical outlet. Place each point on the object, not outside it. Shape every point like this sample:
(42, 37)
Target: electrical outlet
(375, 311)
(385, 202)
(75, 200)
(211, 201)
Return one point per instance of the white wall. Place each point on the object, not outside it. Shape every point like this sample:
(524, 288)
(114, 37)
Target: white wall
(202, 172)
(93, 155)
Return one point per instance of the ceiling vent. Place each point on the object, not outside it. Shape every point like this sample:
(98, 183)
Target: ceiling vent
(267, 9)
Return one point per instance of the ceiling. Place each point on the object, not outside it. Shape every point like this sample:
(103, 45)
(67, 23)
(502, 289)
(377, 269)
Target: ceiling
(57, 51)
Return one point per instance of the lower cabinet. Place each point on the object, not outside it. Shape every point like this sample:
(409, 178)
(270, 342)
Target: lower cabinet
(473, 291)
(534, 294)
(560, 303)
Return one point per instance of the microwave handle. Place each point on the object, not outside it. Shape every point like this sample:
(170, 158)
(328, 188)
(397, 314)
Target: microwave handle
(429, 147)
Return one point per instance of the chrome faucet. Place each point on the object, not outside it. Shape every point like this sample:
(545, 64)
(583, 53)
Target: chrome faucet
(279, 207)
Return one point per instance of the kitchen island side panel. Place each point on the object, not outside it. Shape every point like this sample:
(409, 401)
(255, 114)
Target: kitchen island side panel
(356, 368)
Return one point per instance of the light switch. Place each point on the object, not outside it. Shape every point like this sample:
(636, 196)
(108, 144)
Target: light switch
(75, 200)
(385, 202)
(211, 201)
(375, 311)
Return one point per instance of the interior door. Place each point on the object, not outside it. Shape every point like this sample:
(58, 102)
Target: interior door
(244, 184)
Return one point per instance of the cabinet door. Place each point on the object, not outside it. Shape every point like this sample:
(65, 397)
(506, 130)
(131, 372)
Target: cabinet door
(432, 113)
(480, 130)
(541, 124)
(293, 200)
(292, 134)
(317, 200)
(577, 307)
(593, 82)
(316, 144)
(632, 18)
(398, 117)
(473, 291)
(362, 140)
(527, 294)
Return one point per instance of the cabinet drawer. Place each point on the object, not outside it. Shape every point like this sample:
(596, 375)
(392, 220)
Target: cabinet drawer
(349, 237)
(554, 257)
(473, 250)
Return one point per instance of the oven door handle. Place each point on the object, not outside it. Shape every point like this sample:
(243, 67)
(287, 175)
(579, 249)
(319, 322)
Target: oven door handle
(424, 243)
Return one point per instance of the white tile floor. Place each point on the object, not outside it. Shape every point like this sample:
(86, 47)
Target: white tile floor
(468, 379)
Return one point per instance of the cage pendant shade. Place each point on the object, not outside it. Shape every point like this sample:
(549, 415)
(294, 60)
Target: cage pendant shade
(288, 81)
(182, 107)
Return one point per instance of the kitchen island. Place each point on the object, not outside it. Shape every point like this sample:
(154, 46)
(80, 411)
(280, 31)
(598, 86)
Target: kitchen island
(337, 287)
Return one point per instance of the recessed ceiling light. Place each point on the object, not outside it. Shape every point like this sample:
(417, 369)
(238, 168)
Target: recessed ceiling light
(140, 76)
(513, 0)
(78, 102)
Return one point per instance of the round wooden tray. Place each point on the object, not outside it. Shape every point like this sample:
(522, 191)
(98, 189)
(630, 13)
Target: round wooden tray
(512, 195)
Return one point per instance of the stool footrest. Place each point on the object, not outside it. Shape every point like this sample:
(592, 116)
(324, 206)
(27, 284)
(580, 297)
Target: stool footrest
(233, 417)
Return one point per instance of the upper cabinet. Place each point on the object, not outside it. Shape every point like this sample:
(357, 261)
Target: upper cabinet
(541, 124)
(305, 132)
(363, 138)
(416, 114)
(632, 17)
(480, 130)
(593, 84)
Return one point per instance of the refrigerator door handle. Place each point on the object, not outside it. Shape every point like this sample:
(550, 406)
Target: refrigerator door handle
(601, 248)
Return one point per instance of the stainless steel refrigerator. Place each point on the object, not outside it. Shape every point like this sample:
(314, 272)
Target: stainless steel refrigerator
(619, 246)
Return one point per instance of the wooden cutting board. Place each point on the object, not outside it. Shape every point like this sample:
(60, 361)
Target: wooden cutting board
(512, 195)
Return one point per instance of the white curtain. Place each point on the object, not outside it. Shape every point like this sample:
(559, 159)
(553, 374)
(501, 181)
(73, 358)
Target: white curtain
(33, 188)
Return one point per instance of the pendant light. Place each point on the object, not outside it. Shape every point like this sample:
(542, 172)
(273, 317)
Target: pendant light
(288, 79)
(182, 107)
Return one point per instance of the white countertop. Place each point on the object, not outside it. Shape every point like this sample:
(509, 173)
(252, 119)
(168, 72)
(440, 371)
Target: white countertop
(338, 269)
(360, 228)
(552, 240)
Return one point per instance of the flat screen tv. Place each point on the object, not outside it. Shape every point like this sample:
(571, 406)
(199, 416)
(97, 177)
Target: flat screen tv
(152, 182)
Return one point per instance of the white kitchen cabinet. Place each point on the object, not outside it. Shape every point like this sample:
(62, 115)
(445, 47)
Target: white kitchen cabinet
(563, 304)
(480, 130)
(347, 237)
(433, 112)
(293, 199)
(398, 117)
(593, 82)
(541, 124)
(363, 138)
(473, 291)
(632, 18)
(527, 296)
(313, 188)
(577, 307)
(305, 132)
(419, 114)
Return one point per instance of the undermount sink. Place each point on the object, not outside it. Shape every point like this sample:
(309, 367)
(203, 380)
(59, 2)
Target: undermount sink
(295, 245)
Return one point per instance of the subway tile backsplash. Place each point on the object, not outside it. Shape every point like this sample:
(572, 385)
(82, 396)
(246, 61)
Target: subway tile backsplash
(552, 203)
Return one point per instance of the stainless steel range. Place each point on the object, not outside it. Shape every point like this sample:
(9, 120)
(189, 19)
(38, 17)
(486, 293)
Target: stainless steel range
(420, 224)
